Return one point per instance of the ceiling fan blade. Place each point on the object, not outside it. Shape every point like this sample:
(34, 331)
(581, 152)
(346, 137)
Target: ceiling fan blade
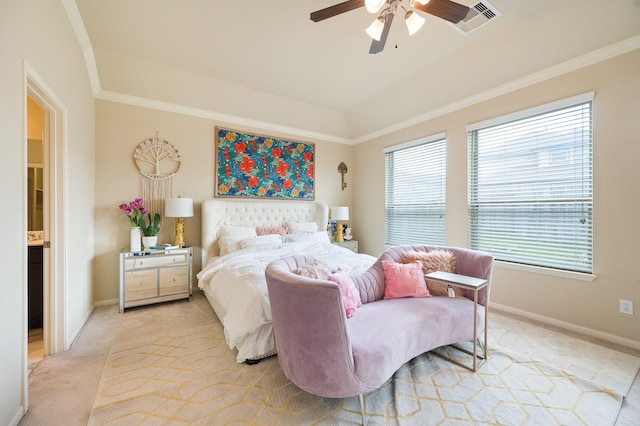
(336, 9)
(378, 46)
(445, 9)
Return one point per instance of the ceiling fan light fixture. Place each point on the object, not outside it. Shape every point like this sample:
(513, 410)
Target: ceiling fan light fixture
(374, 6)
(375, 29)
(413, 21)
(422, 2)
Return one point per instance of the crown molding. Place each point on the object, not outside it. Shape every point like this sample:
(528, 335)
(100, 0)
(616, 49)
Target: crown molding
(599, 55)
(216, 116)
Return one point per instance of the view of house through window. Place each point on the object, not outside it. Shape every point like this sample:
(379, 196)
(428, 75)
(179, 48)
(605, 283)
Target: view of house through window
(531, 186)
(415, 192)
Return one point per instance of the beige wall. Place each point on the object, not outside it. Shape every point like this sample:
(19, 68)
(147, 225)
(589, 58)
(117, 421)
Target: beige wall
(49, 48)
(590, 305)
(121, 128)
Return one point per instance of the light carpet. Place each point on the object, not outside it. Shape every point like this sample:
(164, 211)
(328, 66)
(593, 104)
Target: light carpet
(534, 376)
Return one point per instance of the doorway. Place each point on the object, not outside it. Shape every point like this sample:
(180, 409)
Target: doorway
(35, 232)
(54, 198)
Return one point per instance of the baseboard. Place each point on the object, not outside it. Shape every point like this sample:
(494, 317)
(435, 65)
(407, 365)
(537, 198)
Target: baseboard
(569, 326)
(18, 416)
(106, 302)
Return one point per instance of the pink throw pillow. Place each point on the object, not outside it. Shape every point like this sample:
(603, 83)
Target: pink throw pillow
(404, 280)
(350, 294)
(267, 230)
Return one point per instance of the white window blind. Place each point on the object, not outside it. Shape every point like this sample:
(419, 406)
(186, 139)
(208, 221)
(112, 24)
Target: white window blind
(531, 188)
(415, 193)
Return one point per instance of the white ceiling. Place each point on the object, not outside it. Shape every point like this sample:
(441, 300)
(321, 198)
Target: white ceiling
(273, 47)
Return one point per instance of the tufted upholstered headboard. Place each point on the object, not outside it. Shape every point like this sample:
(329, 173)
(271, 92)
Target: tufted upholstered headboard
(254, 213)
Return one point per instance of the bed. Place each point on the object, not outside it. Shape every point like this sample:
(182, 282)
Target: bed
(234, 259)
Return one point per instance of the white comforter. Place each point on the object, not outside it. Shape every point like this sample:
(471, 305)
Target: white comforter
(237, 282)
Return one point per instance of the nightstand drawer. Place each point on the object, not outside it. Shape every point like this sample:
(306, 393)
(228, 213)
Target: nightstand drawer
(141, 284)
(174, 280)
(138, 262)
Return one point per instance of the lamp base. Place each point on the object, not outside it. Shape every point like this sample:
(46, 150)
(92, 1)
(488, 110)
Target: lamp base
(339, 233)
(179, 240)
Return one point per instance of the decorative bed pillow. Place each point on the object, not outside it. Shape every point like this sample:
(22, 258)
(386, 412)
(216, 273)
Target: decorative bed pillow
(237, 232)
(268, 230)
(350, 294)
(293, 226)
(229, 237)
(434, 260)
(404, 280)
(318, 270)
(264, 242)
(229, 245)
(320, 236)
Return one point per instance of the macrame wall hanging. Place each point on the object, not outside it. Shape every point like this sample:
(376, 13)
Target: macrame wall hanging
(158, 161)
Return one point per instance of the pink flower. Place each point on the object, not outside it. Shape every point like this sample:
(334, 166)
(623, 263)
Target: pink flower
(134, 211)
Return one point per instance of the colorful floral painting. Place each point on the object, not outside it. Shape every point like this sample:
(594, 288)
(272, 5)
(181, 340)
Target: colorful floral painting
(263, 167)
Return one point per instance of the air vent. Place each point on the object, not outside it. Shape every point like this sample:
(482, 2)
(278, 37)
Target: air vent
(479, 14)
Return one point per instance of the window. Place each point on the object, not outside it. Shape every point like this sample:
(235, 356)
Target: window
(415, 192)
(531, 186)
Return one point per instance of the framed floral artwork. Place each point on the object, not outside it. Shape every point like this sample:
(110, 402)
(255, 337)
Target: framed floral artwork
(256, 166)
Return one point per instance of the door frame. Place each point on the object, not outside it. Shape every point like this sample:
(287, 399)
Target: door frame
(54, 203)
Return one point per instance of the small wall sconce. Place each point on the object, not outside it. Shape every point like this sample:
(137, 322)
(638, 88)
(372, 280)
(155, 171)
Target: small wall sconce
(342, 169)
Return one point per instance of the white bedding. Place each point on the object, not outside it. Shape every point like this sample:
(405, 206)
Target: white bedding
(236, 281)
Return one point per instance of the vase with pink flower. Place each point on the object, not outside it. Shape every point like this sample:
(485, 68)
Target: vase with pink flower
(135, 211)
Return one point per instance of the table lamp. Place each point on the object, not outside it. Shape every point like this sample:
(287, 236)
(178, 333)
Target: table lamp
(179, 208)
(339, 214)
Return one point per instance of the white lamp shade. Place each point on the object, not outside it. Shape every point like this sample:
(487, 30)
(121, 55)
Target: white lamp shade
(178, 207)
(375, 29)
(339, 213)
(414, 22)
(422, 2)
(374, 5)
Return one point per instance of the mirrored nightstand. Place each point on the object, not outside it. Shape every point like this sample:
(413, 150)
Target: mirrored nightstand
(154, 277)
(351, 245)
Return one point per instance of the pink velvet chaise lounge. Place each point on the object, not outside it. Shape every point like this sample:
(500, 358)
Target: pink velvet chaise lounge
(327, 354)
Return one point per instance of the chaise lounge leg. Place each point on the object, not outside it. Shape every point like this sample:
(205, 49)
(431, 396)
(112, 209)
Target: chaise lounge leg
(364, 420)
(483, 349)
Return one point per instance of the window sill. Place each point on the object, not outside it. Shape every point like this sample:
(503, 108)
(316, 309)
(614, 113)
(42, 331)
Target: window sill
(580, 276)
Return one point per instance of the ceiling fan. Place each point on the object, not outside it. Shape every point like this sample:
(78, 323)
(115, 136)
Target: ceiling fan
(379, 29)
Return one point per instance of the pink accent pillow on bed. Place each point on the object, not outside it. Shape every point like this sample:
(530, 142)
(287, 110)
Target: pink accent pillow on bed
(404, 280)
(268, 230)
(350, 294)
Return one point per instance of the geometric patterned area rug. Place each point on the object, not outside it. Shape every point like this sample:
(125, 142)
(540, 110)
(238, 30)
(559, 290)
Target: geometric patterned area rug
(533, 376)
